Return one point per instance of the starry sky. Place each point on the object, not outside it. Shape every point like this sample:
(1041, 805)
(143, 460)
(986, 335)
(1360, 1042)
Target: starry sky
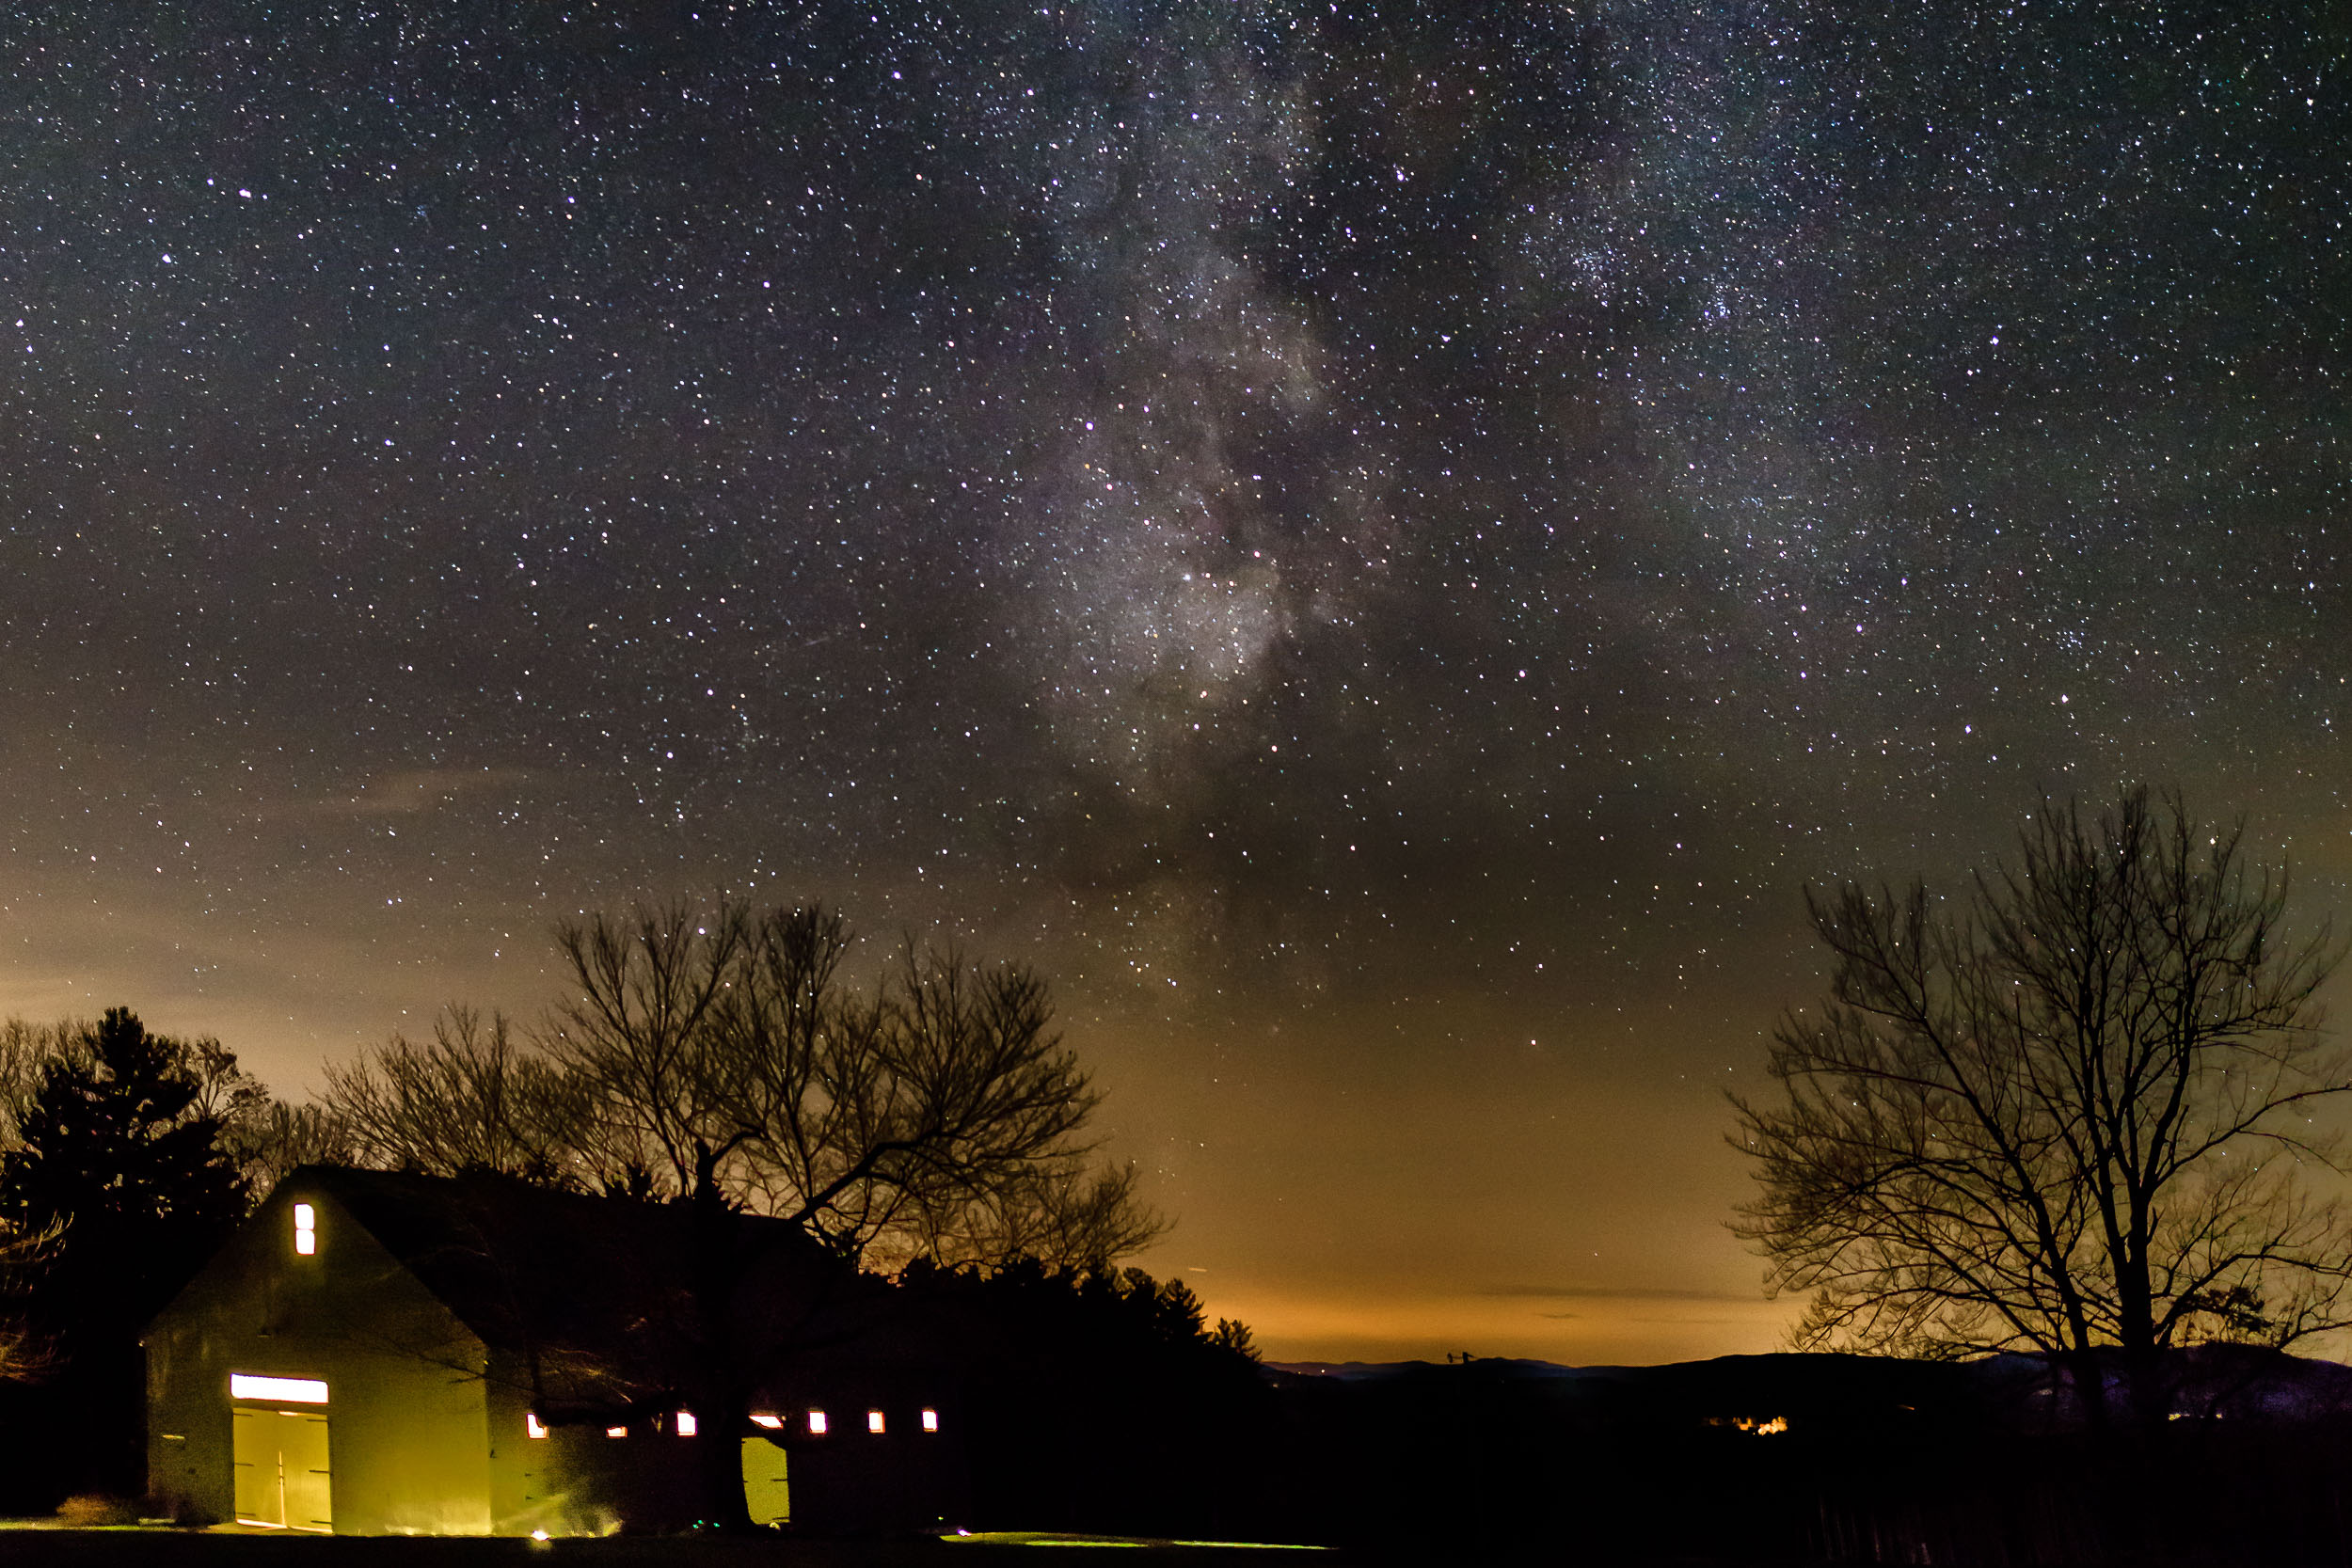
(1379, 544)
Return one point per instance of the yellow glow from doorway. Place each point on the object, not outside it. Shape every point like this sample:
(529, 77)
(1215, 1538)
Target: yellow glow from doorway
(277, 1390)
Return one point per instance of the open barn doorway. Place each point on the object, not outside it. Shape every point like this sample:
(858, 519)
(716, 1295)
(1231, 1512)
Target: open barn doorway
(767, 1490)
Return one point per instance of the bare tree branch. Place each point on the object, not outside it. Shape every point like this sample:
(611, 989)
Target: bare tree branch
(472, 1098)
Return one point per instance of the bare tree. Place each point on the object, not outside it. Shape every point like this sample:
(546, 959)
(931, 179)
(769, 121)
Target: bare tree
(26, 1050)
(2084, 1110)
(876, 1119)
(269, 1140)
(638, 1036)
(722, 1060)
(719, 1052)
(26, 1354)
(716, 1052)
(472, 1098)
(1071, 1215)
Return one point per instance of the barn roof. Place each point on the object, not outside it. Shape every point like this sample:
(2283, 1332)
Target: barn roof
(603, 1284)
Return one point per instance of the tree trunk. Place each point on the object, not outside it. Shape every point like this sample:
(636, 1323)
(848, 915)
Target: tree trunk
(720, 1419)
(720, 1412)
(2090, 1390)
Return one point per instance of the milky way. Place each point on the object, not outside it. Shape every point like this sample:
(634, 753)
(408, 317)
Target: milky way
(1379, 544)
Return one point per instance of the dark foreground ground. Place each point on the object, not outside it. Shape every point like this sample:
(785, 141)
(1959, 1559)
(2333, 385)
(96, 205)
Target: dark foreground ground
(53, 1547)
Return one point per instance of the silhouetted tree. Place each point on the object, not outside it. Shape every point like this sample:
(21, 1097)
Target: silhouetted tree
(715, 1056)
(471, 1099)
(269, 1139)
(26, 1051)
(116, 1190)
(28, 1355)
(720, 1051)
(1233, 1335)
(2073, 1110)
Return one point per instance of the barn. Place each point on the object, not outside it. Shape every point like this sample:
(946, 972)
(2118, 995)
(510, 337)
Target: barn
(377, 1353)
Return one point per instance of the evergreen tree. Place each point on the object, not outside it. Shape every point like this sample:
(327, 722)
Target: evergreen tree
(120, 1169)
(119, 1153)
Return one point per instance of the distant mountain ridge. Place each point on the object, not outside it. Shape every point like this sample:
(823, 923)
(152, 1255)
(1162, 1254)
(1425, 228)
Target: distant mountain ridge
(2211, 1380)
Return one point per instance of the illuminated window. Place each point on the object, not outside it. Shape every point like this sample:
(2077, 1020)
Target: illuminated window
(533, 1425)
(616, 1432)
(873, 1421)
(277, 1390)
(817, 1421)
(931, 1419)
(686, 1423)
(305, 1229)
(762, 1418)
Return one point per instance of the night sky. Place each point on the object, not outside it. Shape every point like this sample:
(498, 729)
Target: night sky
(1380, 544)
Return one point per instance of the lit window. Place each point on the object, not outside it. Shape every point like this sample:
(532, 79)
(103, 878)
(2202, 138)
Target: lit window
(277, 1390)
(817, 1421)
(763, 1419)
(686, 1423)
(873, 1421)
(533, 1425)
(616, 1432)
(305, 1229)
(931, 1419)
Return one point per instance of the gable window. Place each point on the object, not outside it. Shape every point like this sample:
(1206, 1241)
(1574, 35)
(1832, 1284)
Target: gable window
(305, 1229)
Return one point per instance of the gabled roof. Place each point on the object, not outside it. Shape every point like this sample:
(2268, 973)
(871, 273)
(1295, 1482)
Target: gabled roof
(602, 1286)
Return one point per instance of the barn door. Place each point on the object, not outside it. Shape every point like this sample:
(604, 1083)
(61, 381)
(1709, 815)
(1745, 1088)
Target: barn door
(767, 1491)
(281, 1468)
(302, 1449)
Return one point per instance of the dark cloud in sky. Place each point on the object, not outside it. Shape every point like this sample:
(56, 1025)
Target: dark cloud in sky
(1379, 543)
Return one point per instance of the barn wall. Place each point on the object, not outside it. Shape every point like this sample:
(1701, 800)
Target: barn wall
(576, 1480)
(407, 1415)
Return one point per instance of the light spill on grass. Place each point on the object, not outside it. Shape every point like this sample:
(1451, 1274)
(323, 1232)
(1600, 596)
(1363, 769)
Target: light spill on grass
(1040, 1538)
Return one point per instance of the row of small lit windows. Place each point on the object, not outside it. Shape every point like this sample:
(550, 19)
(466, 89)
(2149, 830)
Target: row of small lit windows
(819, 1424)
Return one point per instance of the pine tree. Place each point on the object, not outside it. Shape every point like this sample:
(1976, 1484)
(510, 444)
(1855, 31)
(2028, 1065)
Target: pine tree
(119, 1154)
(121, 1173)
